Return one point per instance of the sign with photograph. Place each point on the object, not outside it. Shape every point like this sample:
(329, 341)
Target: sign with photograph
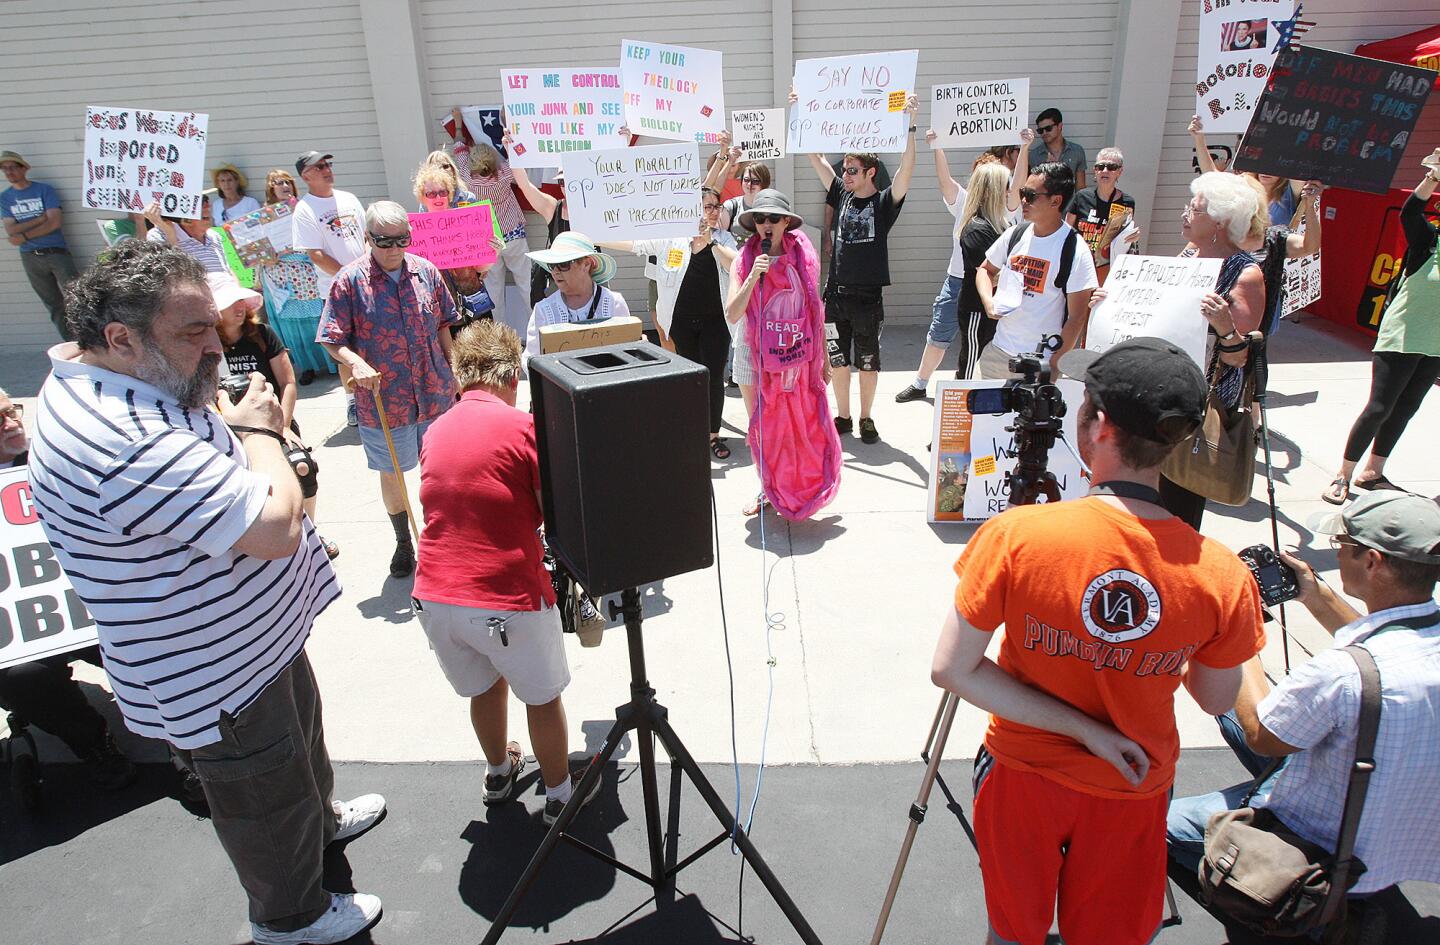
(979, 114)
(260, 236)
(138, 156)
(40, 613)
(1154, 297)
(1341, 119)
(1238, 43)
(759, 133)
(973, 455)
(634, 193)
(675, 92)
(852, 103)
(550, 112)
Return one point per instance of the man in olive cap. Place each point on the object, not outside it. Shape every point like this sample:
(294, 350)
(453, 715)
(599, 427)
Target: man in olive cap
(1388, 546)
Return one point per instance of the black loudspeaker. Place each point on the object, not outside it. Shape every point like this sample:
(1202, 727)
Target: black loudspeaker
(624, 463)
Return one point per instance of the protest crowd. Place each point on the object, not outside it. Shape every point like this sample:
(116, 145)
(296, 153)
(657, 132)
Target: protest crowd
(178, 490)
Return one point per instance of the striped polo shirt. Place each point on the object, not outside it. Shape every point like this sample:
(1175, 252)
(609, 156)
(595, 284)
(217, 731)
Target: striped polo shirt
(143, 500)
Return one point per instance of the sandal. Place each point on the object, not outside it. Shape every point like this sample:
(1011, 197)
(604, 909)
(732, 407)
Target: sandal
(718, 447)
(754, 508)
(332, 550)
(1379, 482)
(1338, 492)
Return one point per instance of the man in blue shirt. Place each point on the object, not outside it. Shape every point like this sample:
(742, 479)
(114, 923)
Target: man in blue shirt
(30, 211)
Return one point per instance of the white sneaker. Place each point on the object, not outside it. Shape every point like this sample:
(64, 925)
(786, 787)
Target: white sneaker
(349, 915)
(359, 815)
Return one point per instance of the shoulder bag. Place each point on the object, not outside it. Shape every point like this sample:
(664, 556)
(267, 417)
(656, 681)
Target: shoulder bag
(1218, 460)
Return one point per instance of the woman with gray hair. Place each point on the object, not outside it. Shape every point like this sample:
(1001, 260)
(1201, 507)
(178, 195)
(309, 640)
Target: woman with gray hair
(1101, 213)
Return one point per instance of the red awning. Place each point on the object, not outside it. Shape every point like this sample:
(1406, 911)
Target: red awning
(1420, 48)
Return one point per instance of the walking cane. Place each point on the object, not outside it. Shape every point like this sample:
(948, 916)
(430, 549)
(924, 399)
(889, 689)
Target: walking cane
(395, 465)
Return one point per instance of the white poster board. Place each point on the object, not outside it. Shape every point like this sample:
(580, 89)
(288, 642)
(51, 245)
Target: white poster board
(852, 103)
(1154, 297)
(979, 114)
(1238, 43)
(673, 92)
(551, 112)
(136, 156)
(642, 193)
(973, 455)
(759, 133)
(40, 613)
(1302, 281)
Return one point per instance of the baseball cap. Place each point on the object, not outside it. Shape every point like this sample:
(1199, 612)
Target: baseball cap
(1400, 524)
(310, 159)
(1146, 386)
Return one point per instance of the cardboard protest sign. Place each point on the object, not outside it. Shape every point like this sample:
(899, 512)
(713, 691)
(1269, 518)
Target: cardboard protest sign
(759, 133)
(1341, 119)
(134, 156)
(1154, 297)
(675, 92)
(979, 114)
(454, 239)
(40, 613)
(260, 236)
(852, 103)
(635, 193)
(1302, 281)
(550, 112)
(1238, 43)
(973, 455)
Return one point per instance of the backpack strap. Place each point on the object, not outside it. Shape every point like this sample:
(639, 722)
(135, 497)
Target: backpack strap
(1015, 236)
(1067, 262)
(1361, 769)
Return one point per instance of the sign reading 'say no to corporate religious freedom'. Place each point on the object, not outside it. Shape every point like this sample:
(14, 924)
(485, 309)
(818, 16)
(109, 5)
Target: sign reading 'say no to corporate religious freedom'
(553, 111)
(136, 156)
(852, 103)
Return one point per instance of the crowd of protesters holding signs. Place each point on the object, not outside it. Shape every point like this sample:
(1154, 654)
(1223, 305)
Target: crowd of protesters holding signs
(147, 476)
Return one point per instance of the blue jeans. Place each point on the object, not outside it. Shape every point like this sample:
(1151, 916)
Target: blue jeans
(1188, 816)
(945, 314)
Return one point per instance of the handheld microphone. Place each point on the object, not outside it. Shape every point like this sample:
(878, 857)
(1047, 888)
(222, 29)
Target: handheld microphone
(764, 250)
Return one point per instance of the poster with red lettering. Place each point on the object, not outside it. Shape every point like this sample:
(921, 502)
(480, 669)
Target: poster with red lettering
(40, 613)
(1238, 42)
(138, 156)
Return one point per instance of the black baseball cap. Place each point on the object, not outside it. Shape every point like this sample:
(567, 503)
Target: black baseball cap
(1146, 386)
(310, 159)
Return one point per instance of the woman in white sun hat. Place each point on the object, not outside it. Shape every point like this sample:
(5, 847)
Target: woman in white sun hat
(580, 272)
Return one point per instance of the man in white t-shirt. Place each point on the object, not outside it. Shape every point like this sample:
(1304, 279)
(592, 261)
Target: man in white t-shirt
(329, 224)
(1034, 280)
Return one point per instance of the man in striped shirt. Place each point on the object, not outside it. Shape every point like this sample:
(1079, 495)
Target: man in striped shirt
(181, 529)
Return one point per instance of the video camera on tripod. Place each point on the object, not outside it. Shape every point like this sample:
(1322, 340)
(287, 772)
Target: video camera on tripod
(1039, 407)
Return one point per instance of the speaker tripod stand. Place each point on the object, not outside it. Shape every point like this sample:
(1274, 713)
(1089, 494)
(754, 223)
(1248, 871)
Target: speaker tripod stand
(648, 719)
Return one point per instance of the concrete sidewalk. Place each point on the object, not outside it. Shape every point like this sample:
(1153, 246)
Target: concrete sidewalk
(839, 672)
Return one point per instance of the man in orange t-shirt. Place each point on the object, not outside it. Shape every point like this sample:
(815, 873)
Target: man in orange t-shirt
(1109, 604)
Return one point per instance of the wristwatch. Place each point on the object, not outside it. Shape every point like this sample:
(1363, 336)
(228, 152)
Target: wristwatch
(913, 129)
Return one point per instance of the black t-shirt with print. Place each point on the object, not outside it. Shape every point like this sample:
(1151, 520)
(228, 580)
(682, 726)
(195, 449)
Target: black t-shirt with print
(861, 256)
(1092, 213)
(253, 353)
(975, 240)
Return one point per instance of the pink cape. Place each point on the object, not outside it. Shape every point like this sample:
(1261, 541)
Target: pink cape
(791, 434)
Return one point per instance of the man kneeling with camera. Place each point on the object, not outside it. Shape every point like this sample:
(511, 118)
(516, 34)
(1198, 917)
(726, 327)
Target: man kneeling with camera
(1109, 605)
(1389, 554)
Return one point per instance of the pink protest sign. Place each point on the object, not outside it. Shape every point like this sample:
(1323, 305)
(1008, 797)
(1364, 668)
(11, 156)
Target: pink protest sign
(453, 239)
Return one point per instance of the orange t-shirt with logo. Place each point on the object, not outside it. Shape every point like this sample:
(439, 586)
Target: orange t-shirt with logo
(1101, 611)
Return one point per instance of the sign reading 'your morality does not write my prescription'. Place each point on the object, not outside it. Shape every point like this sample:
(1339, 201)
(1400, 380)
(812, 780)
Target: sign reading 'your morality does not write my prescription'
(634, 193)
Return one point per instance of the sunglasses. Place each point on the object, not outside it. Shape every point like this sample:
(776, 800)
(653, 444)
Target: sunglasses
(13, 412)
(1030, 194)
(768, 217)
(389, 242)
(438, 193)
(1045, 129)
(852, 171)
(1339, 541)
(323, 165)
(563, 266)
(1108, 166)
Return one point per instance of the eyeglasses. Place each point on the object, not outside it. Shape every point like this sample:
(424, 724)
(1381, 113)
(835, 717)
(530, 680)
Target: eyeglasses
(1107, 166)
(1339, 541)
(389, 242)
(709, 207)
(562, 266)
(323, 165)
(436, 194)
(1030, 194)
(1045, 129)
(768, 217)
(852, 171)
(14, 412)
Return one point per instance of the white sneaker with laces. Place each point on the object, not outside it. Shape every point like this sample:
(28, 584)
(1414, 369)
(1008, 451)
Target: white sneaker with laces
(358, 815)
(349, 915)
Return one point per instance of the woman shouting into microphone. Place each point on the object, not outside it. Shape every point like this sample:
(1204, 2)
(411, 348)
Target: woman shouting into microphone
(775, 298)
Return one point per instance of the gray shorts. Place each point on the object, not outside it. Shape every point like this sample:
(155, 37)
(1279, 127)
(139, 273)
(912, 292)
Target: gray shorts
(474, 657)
(743, 367)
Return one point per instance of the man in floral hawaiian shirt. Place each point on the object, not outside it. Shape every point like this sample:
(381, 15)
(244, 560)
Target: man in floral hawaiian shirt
(388, 319)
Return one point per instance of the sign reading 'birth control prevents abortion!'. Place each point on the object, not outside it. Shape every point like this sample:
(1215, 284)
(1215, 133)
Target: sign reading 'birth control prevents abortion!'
(635, 193)
(40, 613)
(1340, 119)
(852, 103)
(979, 114)
(136, 156)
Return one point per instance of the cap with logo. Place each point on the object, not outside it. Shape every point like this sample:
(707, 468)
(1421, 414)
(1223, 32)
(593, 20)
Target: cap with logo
(1146, 386)
(309, 159)
(1400, 524)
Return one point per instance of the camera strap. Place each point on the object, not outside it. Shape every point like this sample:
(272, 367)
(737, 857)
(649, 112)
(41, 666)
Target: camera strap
(1127, 490)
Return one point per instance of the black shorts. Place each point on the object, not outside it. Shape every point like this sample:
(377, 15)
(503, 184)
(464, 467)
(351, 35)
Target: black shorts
(858, 321)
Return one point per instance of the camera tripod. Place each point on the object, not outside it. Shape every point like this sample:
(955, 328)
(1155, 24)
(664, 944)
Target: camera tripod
(648, 719)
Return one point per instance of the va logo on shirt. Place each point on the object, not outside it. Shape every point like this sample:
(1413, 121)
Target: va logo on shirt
(1119, 606)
